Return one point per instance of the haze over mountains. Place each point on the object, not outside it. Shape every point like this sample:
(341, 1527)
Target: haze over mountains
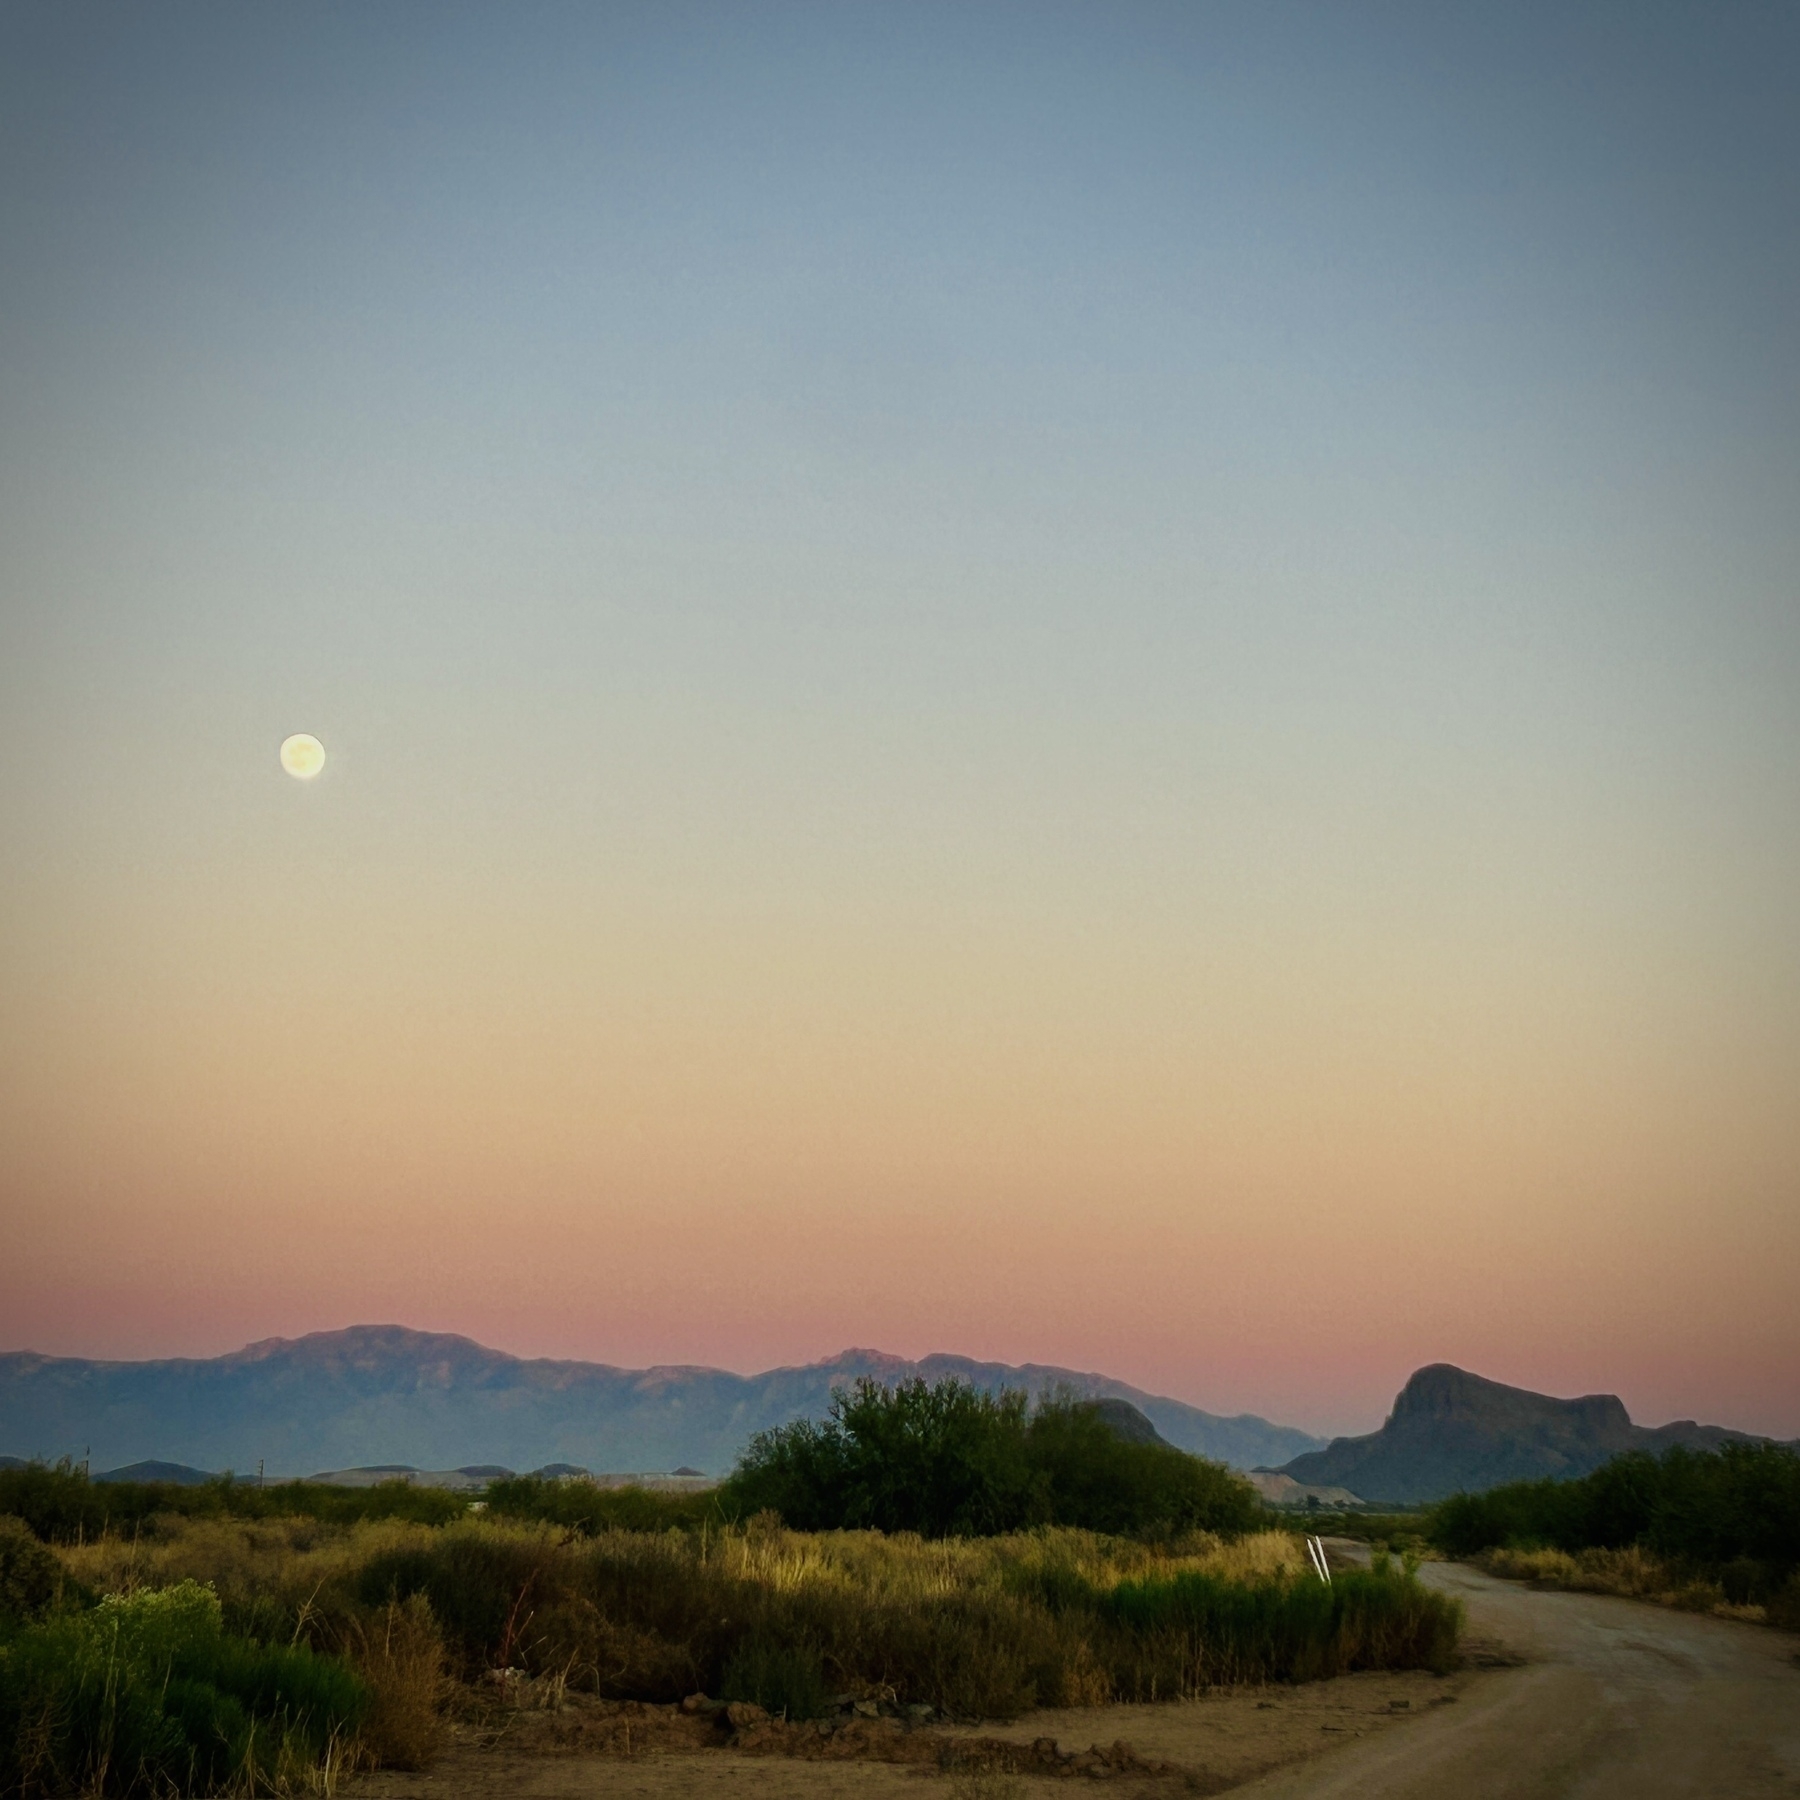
(1451, 1431)
(386, 1394)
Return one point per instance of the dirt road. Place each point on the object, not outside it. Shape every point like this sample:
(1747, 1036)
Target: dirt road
(1616, 1698)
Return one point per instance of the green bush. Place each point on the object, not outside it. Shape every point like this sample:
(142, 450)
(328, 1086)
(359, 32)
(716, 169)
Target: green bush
(1731, 1514)
(952, 1461)
(30, 1577)
(485, 1588)
(786, 1678)
(149, 1694)
(945, 1461)
(1099, 1481)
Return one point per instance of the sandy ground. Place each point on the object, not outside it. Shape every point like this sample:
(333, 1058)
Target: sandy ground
(1566, 1695)
(1202, 1746)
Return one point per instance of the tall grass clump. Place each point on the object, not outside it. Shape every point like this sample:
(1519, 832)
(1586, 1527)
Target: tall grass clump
(399, 1653)
(148, 1694)
(1191, 1631)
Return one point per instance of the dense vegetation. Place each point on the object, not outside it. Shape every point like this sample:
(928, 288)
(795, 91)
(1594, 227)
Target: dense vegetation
(951, 1461)
(61, 1505)
(976, 1627)
(1290, 1631)
(963, 1553)
(149, 1692)
(1729, 1516)
(586, 1507)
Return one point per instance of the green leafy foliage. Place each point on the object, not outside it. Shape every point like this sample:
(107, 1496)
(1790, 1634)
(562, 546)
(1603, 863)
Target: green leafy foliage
(148, 1693)
(952, 1461)
(788, 1679)
(1729, 1516)
(30, 1577)
(1704, 1507)
(1099, 1481)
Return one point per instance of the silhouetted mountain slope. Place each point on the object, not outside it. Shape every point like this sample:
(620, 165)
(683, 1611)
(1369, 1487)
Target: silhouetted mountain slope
(1452, 1431)
(384, 1394)
(1127, 1422)
(169, 1474)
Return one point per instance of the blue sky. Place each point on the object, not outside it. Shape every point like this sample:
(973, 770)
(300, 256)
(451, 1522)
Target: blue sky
(1168, 619)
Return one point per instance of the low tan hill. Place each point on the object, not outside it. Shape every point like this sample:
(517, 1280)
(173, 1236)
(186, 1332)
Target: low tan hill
(1284, 1490)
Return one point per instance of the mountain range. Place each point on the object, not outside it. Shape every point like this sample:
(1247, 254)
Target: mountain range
(385, 1394)
(1452, 1432)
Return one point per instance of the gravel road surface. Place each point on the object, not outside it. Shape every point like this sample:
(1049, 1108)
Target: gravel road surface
(1616, 1699)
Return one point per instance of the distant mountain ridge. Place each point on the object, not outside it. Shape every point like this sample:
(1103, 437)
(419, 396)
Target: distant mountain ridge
(387, 1394)
(1451, 1432)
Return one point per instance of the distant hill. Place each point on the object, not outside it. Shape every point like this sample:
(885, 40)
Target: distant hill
(1127, 1422)
(382, 1394)
(1451, 1431)
(1284, 1491)
(461, 1481)
(168, 1473)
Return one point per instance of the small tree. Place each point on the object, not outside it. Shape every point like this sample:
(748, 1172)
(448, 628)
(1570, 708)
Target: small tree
(945, 1461)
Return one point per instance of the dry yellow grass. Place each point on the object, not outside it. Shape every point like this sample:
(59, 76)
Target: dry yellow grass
(1632, 1573)
(293, 1561)
(975, 1627)
(400, 1655)
(905, 1567)
(280, 1559)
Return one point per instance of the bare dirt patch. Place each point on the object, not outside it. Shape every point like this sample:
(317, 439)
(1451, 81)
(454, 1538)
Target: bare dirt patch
(589, 1747)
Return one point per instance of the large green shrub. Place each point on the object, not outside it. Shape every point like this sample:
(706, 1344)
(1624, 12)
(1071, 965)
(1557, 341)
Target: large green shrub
(952, 1461)
(1731, 1514)
(945, 1461)
(1707, 1507)
(1100, 1481)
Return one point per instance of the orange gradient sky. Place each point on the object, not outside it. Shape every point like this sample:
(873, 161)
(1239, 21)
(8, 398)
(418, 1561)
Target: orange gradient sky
(918, 757)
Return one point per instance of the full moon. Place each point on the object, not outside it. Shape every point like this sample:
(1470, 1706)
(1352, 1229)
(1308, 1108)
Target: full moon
(302, 755)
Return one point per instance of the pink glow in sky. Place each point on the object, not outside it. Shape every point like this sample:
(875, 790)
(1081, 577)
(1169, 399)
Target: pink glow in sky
(1131, 702)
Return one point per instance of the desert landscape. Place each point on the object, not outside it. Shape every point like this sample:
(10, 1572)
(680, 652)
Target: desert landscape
(899, 899)
(935, 1581)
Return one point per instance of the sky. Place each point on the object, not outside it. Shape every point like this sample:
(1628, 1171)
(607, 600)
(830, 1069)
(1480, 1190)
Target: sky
(1115, 685)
